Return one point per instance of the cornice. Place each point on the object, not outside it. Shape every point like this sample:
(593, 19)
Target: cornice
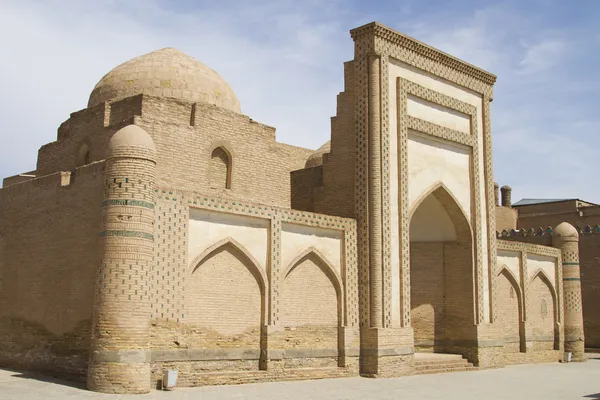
(378, 30)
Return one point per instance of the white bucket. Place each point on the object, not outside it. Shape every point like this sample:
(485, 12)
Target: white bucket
(568, 356)
(169, 379)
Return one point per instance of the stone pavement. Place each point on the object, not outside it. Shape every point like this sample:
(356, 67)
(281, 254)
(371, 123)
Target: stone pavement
(530, 382)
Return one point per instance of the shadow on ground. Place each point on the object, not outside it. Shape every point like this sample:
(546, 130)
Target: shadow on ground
(48, 377)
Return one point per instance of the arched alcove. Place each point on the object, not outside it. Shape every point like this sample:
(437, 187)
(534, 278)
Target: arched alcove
(220, 169)
(83, 155)
(542, 313)
(441, 273)
(311, 304)
(225, 298)
(510, 312)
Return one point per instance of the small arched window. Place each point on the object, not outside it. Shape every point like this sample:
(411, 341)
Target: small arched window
(220, 169)
(83, 155)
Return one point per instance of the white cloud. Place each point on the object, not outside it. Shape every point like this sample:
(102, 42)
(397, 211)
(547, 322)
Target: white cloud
(285, 66)
(284, 60)
(542, 56)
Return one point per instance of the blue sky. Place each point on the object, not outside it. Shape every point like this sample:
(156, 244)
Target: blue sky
(284, 60)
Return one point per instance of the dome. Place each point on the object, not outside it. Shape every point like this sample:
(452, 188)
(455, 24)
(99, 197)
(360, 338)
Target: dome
(565, 229)
(165, 73)
(316, 158)
(131, 135)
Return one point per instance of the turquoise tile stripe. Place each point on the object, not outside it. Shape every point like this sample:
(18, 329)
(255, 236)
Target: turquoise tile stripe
(571, 279)
(128, 202)
(143, 235)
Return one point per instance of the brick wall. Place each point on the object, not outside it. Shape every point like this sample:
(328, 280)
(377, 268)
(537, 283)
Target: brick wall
(506, 218)
(427, 293)
(212, 319)
(336, 196)
(539, 338)
(589, 259)
(309, 308)
(223, 301)
(48, 253)
(304, 182)
(509, 315)
(540, 315)
(185, 135)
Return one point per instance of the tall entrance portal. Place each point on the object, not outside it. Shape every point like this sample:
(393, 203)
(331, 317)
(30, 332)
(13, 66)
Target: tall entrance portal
(441, 270)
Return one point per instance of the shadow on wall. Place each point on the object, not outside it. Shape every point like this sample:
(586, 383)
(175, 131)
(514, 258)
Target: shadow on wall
(48, 377)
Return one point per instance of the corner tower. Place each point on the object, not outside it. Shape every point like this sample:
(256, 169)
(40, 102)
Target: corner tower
(119, 361)
(566, 238)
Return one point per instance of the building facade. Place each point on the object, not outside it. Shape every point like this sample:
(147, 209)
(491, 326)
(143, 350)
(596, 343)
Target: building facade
(529, 220)
(164, 229)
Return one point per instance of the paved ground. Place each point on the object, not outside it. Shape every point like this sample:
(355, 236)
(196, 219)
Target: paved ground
(530, 382)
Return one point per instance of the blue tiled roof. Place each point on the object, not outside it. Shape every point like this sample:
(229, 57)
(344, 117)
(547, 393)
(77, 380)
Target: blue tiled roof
(527, 202)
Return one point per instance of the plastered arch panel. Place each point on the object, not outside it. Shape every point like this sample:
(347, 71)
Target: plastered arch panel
(511, 260)
(453, 166)
(431, 161)
(545, 263)
(209, 227)
(431, 213)
(296, 238)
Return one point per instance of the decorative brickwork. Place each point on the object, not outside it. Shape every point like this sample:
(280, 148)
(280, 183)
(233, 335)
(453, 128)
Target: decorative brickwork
(566, 238)
(120, 333)
(180, 207)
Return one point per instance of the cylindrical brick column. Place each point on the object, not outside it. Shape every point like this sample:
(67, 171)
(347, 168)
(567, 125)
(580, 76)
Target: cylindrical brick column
(119, 356)
(506, 192)
(496, 197)
(566, 238)
(375, 210)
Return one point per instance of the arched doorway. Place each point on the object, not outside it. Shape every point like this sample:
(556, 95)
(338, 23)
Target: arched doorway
(441, 273)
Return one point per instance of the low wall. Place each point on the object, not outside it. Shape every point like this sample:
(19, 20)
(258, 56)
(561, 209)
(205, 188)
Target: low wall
(530, 302)
(246, 292)
(589, 260)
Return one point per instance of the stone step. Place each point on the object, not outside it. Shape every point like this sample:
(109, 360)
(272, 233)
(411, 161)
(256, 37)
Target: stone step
(444, 370)
(441, 361)
(436, 363)
(425, 367)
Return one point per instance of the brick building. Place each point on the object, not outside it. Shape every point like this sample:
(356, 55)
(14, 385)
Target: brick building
(164, 229)
(528, 220)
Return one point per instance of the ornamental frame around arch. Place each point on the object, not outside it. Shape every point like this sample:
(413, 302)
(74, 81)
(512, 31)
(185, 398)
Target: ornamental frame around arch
(256, 270)
(228, 150)
(544, 278)
(431, 190)
(330, 272)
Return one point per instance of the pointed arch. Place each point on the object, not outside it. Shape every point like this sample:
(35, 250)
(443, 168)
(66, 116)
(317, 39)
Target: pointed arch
(326, 267)
(220, 168)
(512, 279)
(542, 275)
(515, 282)
(441, 258)
(453, 208)
(255, 269)
(329, 270)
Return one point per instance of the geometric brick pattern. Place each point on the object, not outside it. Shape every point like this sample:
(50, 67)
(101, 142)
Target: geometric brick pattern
(407, 122)
(386, 43)
(170, 253)
(122, 298)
